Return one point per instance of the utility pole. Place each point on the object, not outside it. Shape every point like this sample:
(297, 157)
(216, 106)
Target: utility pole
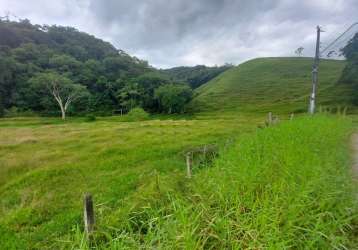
(312, 104)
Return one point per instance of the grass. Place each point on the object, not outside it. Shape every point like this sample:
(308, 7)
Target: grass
(281, 85)
(46, 165)
(286, 186)
(283, 187)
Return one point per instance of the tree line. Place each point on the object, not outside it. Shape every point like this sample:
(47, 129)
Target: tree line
(54, 69)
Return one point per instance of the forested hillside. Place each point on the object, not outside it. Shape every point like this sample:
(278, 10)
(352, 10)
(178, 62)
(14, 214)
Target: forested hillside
(38, 63)
(195, 76)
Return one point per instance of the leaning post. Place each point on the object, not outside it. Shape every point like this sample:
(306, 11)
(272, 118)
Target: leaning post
(88, 214)
(189, 164)
(269, 118)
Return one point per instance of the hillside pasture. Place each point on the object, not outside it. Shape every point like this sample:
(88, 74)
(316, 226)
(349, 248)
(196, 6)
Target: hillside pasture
(281, 85)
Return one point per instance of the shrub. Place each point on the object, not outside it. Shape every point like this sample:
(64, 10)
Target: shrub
(90, 118)
(137, 114)
(16, 112)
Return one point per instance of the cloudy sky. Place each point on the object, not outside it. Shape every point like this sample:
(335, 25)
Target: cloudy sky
(188, 32)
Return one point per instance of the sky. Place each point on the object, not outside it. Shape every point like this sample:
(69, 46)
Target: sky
(170, 33)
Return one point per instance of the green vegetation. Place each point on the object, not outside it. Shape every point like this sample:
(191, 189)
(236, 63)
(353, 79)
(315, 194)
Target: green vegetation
(273, 84)
(195, 76)
(284, 186)
(137, 114)
(90, 118)
(350, 72)
(172, 98)
(46, 165)
(47, 87)
(113, 80)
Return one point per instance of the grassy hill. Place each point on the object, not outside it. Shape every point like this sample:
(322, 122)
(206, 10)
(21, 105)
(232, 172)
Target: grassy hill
(272, 84)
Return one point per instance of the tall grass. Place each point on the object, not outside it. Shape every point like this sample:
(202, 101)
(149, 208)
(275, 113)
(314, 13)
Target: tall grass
(287, 186)
(46, 165)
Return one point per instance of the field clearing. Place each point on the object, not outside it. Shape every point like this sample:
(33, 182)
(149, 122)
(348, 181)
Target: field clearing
(136, 173)
(46, 165)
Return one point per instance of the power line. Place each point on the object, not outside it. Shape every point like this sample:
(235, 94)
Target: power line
(339, 37)
(312, 101)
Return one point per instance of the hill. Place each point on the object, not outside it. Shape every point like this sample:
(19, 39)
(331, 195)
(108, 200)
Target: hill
(110, 75)
(68, 40)
(272, 84)
(195, 76)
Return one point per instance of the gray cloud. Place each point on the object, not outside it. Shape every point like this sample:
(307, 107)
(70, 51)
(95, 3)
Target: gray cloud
(188, 32)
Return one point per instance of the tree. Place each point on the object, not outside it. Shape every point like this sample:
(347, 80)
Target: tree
(173, 97)
(8, 70)
(62, 89)
(299, 51)
(350, 51)
(350, 72)
(114, 79)
(130, 95)
(148, 83)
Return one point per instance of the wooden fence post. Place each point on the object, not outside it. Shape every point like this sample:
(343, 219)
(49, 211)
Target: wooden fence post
(188, 164)
(88, 214)
(292, 115)
(157, 181)
(269, 118)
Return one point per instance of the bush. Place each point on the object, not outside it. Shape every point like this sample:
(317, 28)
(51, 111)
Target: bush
(16, 112)
(90, 118)
(137, 114)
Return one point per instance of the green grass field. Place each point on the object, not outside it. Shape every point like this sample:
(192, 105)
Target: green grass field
(281, 187)
(272, 84)
(47, 165)
(287, 186)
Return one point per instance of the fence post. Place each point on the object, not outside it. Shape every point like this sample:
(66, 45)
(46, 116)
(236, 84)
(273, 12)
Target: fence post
(188, 164)
(292, 115)
(88, 214)
(269, 118)
(157, 181)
